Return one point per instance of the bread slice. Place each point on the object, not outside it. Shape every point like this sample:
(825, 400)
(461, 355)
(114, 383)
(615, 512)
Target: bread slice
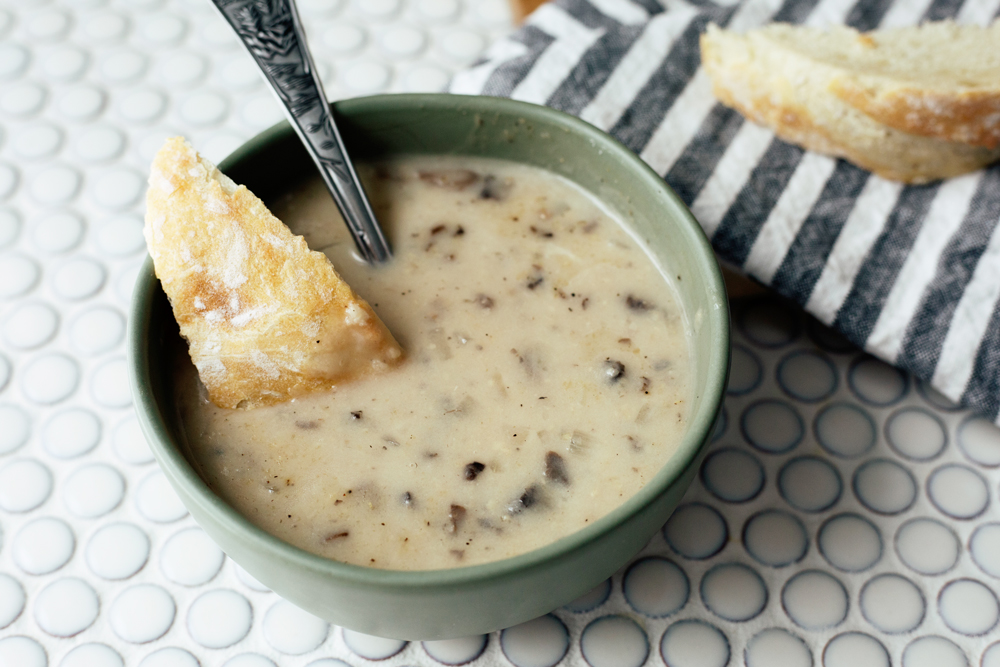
(937, 79)
(790, 91)
(266, 318)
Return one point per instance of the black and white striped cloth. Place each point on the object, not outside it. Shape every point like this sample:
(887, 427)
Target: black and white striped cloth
(909, 273)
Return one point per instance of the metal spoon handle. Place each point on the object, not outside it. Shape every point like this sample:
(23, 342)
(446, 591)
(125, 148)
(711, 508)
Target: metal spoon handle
(272, 32)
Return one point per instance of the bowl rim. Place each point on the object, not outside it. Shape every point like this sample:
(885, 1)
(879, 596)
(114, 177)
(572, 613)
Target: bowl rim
(702, 421)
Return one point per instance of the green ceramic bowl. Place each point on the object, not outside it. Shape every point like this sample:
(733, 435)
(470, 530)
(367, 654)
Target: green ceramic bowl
(476, 599)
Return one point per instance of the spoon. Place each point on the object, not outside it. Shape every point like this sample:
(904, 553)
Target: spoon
(272, 32)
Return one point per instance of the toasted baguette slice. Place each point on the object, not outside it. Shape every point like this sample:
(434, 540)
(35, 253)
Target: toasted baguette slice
(266, 318)
(791, 92)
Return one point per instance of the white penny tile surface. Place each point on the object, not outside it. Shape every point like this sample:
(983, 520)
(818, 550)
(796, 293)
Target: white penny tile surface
(843, 516)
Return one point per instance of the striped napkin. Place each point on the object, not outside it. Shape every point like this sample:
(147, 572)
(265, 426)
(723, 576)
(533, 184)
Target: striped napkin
(909, 273)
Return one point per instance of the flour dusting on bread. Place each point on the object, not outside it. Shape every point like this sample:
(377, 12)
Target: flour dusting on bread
(266, 318)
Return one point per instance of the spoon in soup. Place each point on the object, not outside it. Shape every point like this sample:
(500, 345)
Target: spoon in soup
(272, 32)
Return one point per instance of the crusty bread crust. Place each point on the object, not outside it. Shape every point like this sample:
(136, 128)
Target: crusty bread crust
(265, 317)
(791, 94)
(938, 79)
(970, 117)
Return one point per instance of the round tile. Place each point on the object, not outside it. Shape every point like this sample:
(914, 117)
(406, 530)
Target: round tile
(807, 376)
(14, 60)
(18, 274)
(343, 38)
(11, 600)
(958, 491)
(876, 382)
(984, 547)
(93, 490)
(55, 185)
(733, 592)
(142, 106)
(122, 67)
(117, 551)
(845, 430)
(927, 546)
(884, 486)
(293, 631)
(99, 144)
(590, 600)
(47, 24)
(456, 651)
(9, 179)
(462, 46)
(810, 484)
(892, 603)
(66, 607)
(775, 646)
(170, 656)
(81, 103)
(696, 531)
(58, 232)
(693, 643)
(850, 649)
(916, 434)
(425, 79)
(249, 580)
(24, 485)
(162, 29)
(36, 141)
(30, 325)
(439, 10)
(366, 77)
(402, 41)
(65, 63)
(968, 607)
(49, 379)
(43, 545)
(118, 188)
(71, 433)
(92, 655)
(850, 542)
(933, 651)
(815, 600)
(109, 384)
(655, 587)
(129, 444)
(732, 475)
(120, 236)
(22, 100)
(191, 558)
(371, 647)
(78, 279)
(775, 538)
(157, 501)
(219, 618)
(142, 613)
(22, 651)
(257, 660)
(979, 441)
(614, 641)
(97, 331)
(16, 430)
(204, 109)
(542, 642)
(10, 227)
(772, 426)
(745, 371)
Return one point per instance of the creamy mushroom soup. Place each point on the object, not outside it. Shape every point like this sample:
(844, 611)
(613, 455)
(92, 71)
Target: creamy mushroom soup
(546, 380)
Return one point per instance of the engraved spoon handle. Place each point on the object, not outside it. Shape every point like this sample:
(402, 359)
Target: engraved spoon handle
(272, 32)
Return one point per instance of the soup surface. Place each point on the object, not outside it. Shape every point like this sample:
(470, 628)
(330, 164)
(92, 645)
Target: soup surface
(547, 377)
